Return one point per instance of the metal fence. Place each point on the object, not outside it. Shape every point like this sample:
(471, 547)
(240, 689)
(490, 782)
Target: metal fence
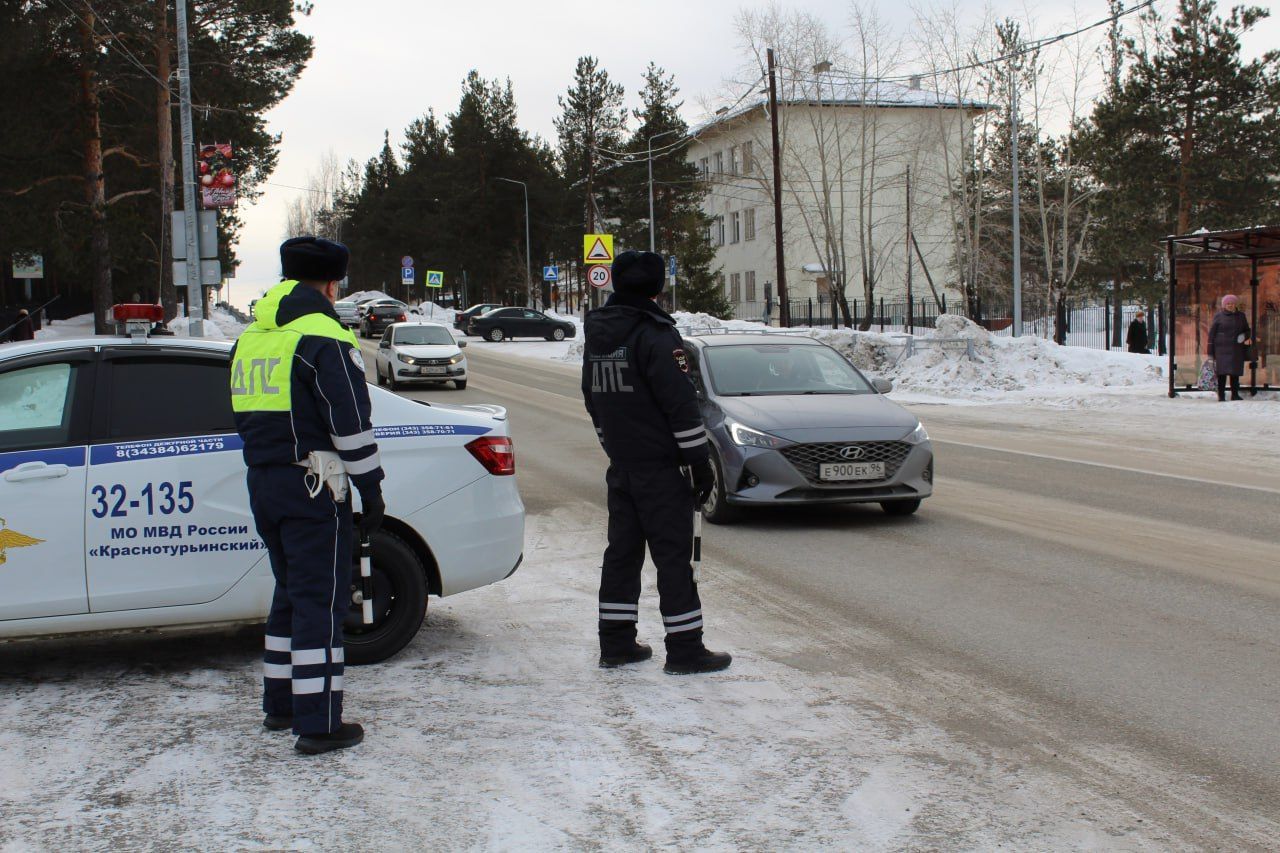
(1083, 325)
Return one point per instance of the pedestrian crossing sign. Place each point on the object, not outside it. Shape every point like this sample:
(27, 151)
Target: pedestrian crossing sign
(597, 248)
(550, 273)
(435, 278)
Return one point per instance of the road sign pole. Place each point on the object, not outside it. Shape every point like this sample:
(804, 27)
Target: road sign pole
(195, 296)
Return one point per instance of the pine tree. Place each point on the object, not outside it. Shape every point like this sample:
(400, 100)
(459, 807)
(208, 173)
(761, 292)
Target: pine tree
(1188, 138)
(680, 226)
(592, 119)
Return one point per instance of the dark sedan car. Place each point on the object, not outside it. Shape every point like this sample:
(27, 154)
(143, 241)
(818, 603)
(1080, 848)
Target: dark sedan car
(378, 317)
(507, 323)
(463, 319)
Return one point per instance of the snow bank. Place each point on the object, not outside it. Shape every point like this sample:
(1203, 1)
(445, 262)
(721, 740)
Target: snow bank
(219, 325)
(998, 366)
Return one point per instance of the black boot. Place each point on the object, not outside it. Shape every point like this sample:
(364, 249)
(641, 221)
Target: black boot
(636, 653)
(348, 734)
(703, 660)
(277, 722)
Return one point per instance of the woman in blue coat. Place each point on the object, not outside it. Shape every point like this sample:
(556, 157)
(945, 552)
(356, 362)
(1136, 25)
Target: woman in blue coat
(1228, 338)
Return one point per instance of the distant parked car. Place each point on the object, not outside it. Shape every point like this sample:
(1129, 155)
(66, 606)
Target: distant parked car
(377, 318)
(348, 313)
(462, 320)
(507, 323)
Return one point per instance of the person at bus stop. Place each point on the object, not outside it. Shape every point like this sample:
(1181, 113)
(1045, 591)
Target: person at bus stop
(299, 394)
(1228, 340)
(24, 329)
(1136, 339)
(637, 390)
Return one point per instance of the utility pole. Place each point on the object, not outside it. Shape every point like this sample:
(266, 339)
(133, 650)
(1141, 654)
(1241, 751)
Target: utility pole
(784, 306)
(195, 296)
(911, 324)
(1017, 204)
(528, 259)
(651, 228)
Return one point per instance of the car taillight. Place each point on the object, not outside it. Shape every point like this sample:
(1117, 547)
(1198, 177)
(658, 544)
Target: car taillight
(495, 453)
(401, 318)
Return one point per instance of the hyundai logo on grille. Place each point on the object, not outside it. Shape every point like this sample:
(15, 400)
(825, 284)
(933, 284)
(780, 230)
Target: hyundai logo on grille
(853, 451)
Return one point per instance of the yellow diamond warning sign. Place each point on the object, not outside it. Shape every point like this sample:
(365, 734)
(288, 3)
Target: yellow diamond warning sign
(597, 248)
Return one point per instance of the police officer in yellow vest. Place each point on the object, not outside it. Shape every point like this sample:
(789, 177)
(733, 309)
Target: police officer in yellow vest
(299, 395)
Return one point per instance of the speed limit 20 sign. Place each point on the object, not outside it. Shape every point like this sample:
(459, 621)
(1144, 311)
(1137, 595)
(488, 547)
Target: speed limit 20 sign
(599, 275)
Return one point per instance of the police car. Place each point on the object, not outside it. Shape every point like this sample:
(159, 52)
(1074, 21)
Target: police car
(123, 501)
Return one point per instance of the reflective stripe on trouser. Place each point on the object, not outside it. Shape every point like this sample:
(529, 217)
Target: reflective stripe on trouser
(653, 508)
(309, 542)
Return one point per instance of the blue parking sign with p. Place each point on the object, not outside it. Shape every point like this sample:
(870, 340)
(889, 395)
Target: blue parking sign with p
(406, 275)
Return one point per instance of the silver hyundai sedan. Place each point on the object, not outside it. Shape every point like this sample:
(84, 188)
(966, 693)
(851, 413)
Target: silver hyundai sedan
(791, 421)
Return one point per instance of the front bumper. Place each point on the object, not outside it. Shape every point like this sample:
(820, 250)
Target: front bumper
(410, 373)
(791, 478)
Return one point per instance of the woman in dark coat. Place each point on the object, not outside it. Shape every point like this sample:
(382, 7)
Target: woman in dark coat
(1228, 338)
(1137, 337)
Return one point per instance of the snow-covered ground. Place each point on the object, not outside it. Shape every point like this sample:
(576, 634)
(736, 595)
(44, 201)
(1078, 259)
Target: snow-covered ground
(495, 730)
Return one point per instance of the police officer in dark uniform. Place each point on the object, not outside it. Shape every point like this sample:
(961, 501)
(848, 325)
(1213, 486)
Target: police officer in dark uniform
(637, 390)
(298, 386)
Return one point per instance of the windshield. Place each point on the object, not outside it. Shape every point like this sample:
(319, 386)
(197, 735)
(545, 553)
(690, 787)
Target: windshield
(418, 335)
(479, 306)
(772, 369)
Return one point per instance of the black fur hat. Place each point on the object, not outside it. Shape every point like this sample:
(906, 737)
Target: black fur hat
(639, 273)
(313, 259)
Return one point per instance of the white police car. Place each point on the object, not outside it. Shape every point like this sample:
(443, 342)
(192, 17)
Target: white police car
(123, 500)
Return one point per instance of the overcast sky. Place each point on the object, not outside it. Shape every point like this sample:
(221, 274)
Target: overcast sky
(378, 64)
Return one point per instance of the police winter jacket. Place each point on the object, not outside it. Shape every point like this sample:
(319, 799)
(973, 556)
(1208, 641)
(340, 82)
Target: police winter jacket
(636, 387)
(298, 385)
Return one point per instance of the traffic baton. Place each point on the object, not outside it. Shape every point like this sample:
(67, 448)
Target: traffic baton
(366, 578)
(697, 544)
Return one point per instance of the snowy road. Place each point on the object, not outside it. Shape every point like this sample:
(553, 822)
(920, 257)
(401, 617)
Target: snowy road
(1051, 655)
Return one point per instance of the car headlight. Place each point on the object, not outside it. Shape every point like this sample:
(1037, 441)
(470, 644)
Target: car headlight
(918, 435)
(458, 359)
(747, 437)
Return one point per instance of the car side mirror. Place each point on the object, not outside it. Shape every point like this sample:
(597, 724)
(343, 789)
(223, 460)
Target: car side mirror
(384, 344)
(882, 386)
(462, 344)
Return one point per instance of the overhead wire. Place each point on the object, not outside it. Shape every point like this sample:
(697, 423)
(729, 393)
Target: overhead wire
(1029, 47)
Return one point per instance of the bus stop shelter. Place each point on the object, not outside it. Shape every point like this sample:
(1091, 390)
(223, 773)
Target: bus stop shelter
(1204, 267)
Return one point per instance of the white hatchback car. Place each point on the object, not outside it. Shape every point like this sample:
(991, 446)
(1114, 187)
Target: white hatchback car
(122, 491)
(420, 352)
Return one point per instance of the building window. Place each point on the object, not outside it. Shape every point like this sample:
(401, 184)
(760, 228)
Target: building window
(735, 287)
(735, 227)
(704, 168)
(724, 288)
(719, 241)
(748, 164)
(749, 223)
(751, 286)
(733, 160)
(719, 160)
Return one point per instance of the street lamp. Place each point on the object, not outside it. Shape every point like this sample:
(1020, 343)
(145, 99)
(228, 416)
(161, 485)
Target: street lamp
(528, 257)
(651, 138)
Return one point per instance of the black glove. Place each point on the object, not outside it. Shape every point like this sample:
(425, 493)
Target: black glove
(372, 509)
(704, 481)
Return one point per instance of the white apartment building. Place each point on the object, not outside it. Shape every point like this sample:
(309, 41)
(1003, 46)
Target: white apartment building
(848, 148)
